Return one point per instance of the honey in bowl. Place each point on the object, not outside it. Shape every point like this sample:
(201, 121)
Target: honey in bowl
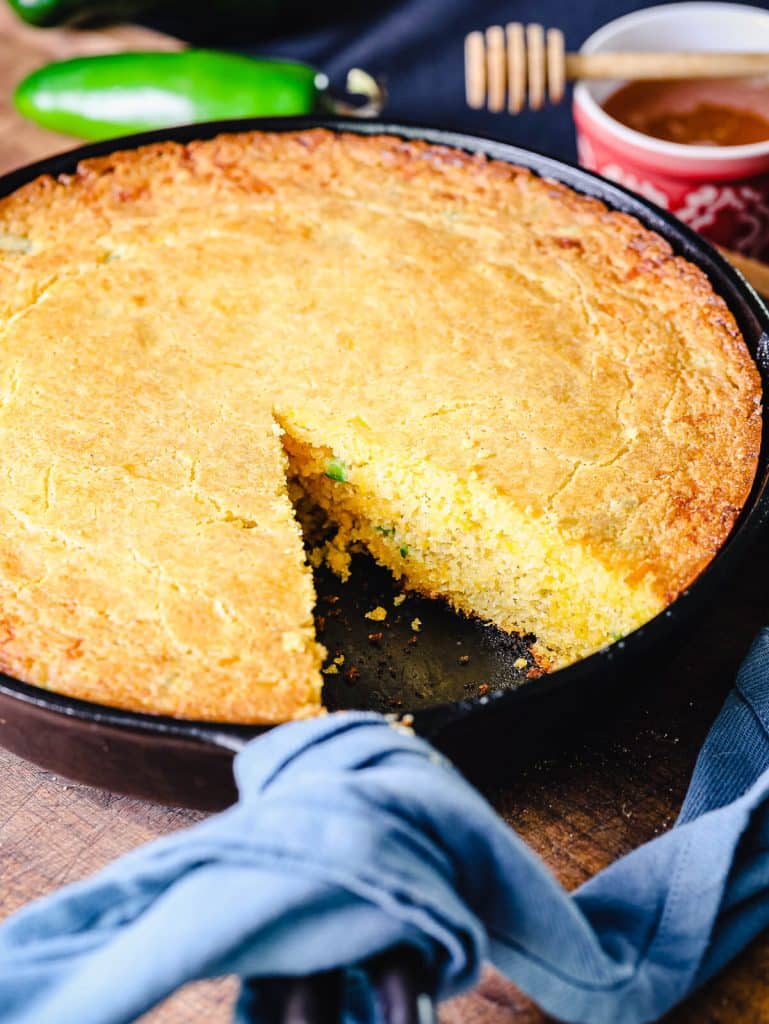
(702, 112)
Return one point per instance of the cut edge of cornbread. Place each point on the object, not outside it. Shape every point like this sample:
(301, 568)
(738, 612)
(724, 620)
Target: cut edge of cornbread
(457, 539)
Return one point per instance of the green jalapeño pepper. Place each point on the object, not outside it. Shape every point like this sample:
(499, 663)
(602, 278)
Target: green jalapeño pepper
(116, 94)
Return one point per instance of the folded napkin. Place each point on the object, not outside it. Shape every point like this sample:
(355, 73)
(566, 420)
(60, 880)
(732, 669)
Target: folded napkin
(351, 836)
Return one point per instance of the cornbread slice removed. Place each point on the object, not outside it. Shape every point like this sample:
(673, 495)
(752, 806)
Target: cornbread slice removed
(454, 537)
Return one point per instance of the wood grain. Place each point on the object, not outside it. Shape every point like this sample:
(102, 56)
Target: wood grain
(615, 787)
(755, 272)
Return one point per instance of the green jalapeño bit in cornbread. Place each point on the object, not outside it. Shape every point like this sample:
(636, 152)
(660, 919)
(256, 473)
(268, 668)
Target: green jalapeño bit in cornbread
(514, 398)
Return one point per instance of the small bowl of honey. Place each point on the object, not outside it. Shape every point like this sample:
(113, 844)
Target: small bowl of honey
(699, 148)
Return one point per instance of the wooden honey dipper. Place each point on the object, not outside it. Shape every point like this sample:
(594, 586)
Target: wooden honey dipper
(502, 65)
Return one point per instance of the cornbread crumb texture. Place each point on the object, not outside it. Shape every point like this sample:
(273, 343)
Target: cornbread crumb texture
(512, 396)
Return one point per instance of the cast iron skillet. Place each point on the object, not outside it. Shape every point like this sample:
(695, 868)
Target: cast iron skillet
(458, 679)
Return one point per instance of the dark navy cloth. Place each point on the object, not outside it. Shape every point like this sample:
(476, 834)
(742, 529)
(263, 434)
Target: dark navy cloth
(417, 46)
(352, 836)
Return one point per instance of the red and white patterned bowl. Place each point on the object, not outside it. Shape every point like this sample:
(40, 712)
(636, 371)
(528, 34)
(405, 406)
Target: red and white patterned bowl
(722, 192)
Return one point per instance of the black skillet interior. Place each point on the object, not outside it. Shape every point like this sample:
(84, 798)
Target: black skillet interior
(464, 683)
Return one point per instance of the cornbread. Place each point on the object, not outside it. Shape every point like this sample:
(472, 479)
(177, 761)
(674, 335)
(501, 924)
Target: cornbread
(514, 398)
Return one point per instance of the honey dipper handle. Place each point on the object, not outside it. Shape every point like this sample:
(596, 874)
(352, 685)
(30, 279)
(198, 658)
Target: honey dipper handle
(504, 66)
(630, 65)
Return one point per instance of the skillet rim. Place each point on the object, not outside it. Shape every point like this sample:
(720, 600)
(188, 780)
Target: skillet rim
(747, 307)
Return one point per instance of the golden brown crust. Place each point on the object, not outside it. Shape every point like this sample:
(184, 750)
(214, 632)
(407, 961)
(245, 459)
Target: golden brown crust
(598, 357)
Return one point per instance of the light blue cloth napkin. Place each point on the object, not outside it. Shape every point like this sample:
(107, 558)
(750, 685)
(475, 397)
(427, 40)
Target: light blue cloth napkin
(351, 836)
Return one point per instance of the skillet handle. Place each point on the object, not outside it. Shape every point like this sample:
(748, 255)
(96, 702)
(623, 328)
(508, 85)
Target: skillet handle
(397, 976)
(397, 979)
(402, 987)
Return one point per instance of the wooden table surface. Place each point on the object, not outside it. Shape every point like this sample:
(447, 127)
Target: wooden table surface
(614, 788)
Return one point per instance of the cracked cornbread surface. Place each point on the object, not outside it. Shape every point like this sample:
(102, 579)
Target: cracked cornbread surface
(515, 398)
